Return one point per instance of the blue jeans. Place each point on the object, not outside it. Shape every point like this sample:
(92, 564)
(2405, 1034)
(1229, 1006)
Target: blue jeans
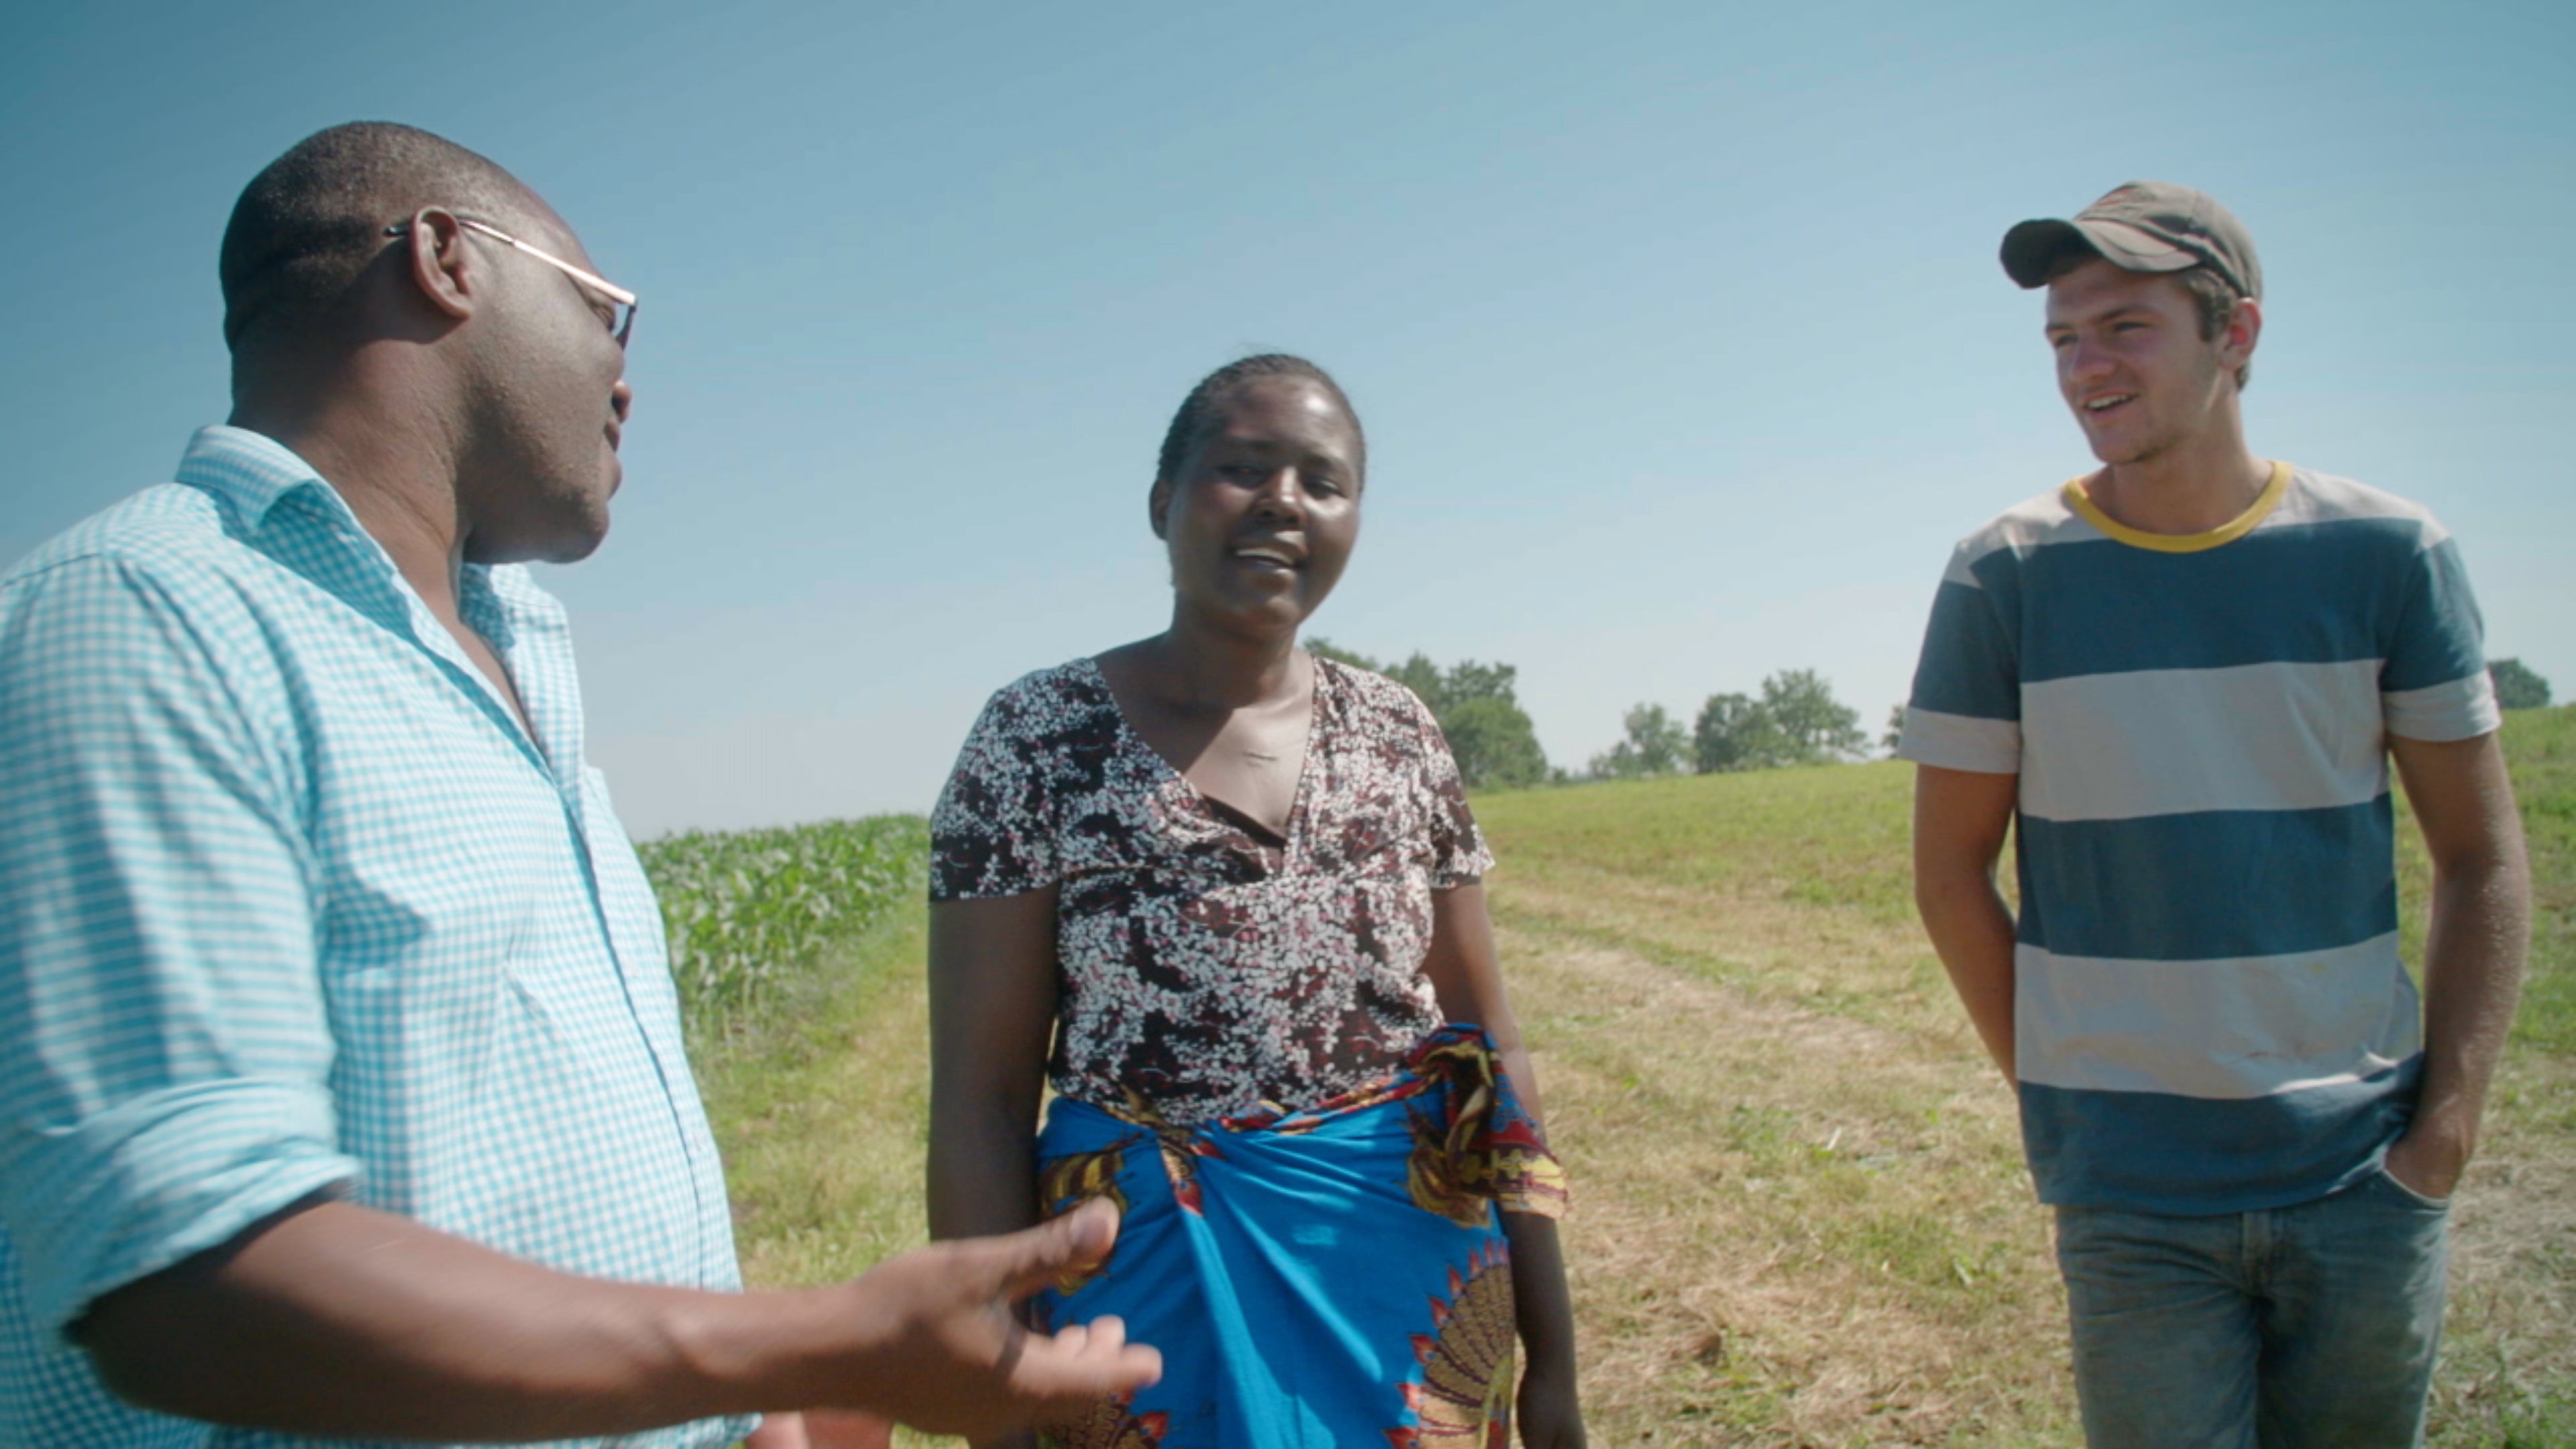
(2304, 1327)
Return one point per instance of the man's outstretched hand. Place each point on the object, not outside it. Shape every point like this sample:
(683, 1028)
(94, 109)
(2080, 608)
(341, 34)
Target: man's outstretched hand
(951, 1356)
(338, 1321)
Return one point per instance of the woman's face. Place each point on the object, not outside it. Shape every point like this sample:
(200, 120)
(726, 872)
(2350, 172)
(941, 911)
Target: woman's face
(1262, 514)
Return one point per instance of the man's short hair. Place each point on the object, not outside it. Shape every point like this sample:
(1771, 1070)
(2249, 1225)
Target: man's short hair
(308, 225)
(2217, 299)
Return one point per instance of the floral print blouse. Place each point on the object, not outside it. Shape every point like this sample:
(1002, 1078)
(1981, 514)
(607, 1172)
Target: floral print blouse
(1204, 963)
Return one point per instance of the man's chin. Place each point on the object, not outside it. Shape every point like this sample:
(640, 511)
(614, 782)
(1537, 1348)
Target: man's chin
(567, 546)
(581, 548)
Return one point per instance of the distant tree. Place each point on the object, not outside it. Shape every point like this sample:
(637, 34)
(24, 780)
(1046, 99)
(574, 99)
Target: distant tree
(1655, 745)
(1817, 726)
(1494, 744)
(1476, 707)
(1419, 674)
(2517, 685)
(1732, 733)
(1797, 721)
(1895, 729)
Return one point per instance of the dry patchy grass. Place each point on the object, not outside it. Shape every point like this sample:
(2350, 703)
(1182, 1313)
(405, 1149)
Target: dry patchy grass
(1815, 1256)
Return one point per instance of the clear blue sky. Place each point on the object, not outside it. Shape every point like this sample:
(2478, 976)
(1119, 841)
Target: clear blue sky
(1677, 329)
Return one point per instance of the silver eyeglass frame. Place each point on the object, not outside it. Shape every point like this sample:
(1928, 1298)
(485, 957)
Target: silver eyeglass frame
(625, 300)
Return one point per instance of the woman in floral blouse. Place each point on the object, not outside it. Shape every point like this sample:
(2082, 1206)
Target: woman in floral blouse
(1234, 888)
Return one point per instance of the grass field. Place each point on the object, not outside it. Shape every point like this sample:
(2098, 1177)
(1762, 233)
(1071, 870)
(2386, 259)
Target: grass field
(1801, 1215)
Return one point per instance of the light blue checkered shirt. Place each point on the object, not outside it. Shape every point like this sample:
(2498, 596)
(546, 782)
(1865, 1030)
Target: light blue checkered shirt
(290, 903)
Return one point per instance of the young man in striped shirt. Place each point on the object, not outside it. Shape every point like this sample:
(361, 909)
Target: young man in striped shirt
(2184, 674)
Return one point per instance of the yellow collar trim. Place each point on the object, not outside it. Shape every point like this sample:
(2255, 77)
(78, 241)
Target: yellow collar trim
(2228, 532)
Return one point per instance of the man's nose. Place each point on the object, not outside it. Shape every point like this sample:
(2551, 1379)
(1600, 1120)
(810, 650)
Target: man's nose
(621, 400)
(2086, 360)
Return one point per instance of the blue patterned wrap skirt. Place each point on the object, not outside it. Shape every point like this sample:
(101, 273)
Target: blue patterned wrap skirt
(1316, 1278)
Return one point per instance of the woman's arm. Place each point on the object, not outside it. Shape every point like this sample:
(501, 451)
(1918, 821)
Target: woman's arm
(1467, 975)
(992, 1014)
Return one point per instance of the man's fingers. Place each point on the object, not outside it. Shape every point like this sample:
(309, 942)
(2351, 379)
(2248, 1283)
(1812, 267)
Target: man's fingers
(1015, 1342)
(1042, 1254)
(1083, 1363)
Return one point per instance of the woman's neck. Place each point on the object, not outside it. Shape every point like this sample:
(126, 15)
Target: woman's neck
(1202, 668)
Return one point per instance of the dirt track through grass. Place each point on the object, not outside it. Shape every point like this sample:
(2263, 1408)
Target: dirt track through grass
(1801, 1216)
(1815, 1257)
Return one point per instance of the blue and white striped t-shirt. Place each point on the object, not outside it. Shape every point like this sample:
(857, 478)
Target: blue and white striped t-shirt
(290, 903)
(2210, 1012)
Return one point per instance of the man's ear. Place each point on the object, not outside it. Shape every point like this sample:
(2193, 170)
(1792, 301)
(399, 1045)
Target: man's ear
(443, 267)
(2244, 329)
(1158, 507)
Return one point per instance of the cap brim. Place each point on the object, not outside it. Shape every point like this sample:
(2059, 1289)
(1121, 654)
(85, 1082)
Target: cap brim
(2031, 250)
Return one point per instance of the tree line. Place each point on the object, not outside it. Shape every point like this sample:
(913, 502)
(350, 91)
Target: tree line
(1794, 720)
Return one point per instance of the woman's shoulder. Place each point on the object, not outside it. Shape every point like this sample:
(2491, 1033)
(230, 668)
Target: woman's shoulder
(1071, 696)
(1367, 693)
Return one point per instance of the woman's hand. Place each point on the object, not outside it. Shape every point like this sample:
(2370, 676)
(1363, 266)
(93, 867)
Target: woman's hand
(1550, 1413)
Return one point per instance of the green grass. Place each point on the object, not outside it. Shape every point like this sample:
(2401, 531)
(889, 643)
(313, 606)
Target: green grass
(819, 1104)
(1829, 837)
(1801, 1216)
(2541, 743)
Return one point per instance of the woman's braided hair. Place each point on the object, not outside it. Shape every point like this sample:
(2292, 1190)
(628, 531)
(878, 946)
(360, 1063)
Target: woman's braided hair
(1199, 409)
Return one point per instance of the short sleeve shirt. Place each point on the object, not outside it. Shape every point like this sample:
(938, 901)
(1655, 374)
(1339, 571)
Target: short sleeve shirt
(290, 903)
(2210, 1010)
(1206, 964)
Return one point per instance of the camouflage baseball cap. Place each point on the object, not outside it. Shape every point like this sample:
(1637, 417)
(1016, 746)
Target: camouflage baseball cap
(2144, 226)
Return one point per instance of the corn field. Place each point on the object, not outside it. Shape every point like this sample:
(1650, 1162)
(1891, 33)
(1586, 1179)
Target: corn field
(746, 909)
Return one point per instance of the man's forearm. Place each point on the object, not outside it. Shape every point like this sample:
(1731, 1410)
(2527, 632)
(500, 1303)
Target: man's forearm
(2462, 796)
(1960, 821)
(342, 1322)
(1972, 932)
(2473, 967)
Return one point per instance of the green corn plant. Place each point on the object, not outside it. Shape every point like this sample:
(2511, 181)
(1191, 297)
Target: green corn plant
(745, 910)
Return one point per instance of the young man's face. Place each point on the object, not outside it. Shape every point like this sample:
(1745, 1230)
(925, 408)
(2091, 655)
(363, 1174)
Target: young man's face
(2131, 361)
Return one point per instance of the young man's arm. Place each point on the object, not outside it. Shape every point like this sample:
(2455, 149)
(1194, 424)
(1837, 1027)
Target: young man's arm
(1960, 819)
(2473, 945)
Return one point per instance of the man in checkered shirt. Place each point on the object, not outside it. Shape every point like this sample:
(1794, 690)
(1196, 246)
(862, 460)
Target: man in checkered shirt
(341, 1085)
